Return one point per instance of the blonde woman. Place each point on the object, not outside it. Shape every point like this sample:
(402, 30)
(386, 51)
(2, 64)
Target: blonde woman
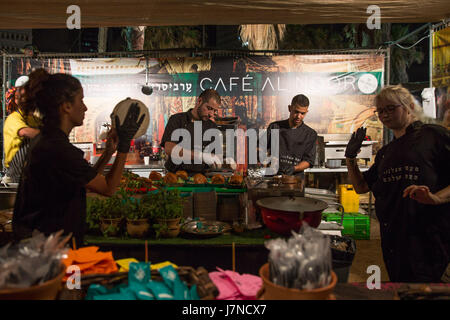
(410, 180)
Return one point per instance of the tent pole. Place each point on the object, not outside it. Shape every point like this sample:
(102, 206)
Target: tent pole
(430, 41)
(388, 69)
(3, 107)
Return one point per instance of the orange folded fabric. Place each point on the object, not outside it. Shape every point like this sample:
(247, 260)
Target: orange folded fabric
(91, 261)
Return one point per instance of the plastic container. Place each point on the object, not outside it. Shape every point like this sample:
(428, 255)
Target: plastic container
(356, 225)
(342, 260)
(348, 198)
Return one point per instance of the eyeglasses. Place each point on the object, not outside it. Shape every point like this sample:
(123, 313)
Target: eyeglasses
(389, 109)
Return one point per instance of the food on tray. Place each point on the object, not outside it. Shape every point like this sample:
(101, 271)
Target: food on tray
(236, 179)
(200, 179)
(170, 178)
(182, 175)
(218, 179)
(133, 183)
(145, 180)
(155, 176)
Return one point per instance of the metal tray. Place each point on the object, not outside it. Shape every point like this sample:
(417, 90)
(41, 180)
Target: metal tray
(205, 229)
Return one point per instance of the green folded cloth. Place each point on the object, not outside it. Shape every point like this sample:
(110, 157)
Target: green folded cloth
(141, 287)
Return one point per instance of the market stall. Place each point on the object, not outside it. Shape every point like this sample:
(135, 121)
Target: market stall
(226, 225)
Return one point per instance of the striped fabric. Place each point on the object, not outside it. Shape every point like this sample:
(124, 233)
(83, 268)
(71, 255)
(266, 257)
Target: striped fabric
(14, 171)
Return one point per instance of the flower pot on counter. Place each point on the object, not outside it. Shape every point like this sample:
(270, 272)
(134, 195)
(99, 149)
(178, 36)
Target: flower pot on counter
(272, 291)
(137, 228)
(110, 226)
(173, 227)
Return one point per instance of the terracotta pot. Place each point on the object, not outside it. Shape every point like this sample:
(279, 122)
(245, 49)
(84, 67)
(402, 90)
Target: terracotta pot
(106, 222)
(44, 291)
(138, 227)
(173, 227)
(271, 291)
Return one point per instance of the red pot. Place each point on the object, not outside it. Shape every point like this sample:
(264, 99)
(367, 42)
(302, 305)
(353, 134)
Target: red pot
(283, 214)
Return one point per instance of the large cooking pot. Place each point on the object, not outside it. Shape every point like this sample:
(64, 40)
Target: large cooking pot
(283, 214)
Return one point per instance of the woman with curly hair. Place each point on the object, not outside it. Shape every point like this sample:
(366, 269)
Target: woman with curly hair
(52, 190)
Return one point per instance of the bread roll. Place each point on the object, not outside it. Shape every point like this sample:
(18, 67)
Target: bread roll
(170, 178)
(200, 179)
(218, 179)
(155, 176)
(182, 174)
(236, 179)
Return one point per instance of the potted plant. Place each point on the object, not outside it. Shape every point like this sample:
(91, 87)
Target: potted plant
(111, 215)
(137, 213)
(94, 206)
(167, 208)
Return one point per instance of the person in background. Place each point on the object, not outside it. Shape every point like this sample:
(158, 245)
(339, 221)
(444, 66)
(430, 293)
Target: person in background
(52, 190)
(446, 118)
(205, 109)
(20, 127)
(297, 141)
(410, 180)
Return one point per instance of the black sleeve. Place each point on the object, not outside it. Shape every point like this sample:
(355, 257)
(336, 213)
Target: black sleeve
(443, 149)
(445, 159)
(171, 126)
(72, 168)
(310, 149)
(371, 175)
(269, 137)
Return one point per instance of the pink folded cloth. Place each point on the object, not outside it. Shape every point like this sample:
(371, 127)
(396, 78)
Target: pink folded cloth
(233, 286)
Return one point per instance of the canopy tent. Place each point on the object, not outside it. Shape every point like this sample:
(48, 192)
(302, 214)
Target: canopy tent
(28, 14)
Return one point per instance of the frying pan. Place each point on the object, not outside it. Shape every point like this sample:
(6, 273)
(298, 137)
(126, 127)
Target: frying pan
(283, 214)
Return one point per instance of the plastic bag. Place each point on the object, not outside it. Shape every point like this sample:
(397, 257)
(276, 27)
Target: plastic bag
(32, 261)
(302, 262)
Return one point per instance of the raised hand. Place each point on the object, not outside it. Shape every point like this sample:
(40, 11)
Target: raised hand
(129, 127)
(355, 143)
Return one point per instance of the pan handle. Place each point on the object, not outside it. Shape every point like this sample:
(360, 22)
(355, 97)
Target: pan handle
(341, 209)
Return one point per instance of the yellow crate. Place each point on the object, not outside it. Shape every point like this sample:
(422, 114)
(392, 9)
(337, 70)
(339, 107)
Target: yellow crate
(348, 198)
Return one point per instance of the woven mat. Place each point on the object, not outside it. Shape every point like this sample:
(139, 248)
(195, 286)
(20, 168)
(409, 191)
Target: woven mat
(5, 218)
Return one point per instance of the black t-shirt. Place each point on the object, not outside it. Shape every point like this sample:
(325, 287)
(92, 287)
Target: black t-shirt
(295, 144)
(52, 193)
(415, 237)
(184, 120)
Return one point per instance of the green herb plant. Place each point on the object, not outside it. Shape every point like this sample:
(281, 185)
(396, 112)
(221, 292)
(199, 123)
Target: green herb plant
(165, 204)
(93, 208)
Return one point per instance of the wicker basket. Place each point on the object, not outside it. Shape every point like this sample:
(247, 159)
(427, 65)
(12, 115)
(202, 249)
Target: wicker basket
(206, 289)
(205, 205)
(188, 206)
(228, 209)
(6, 234)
